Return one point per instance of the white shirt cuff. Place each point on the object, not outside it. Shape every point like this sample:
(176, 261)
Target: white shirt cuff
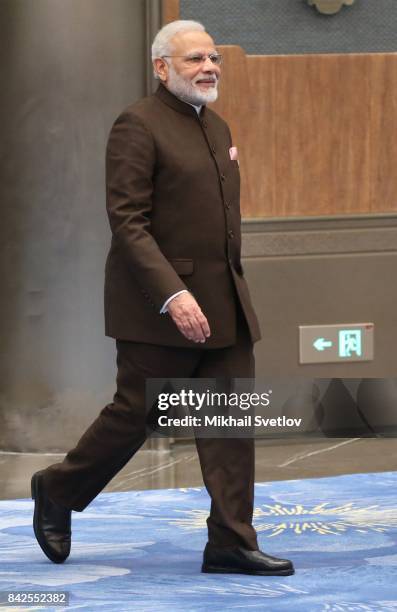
(164, 308)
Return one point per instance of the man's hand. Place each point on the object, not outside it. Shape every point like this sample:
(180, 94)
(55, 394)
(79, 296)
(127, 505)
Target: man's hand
(188, 317)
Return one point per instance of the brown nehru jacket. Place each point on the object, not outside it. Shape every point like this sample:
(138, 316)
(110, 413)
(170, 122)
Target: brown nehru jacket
(173, 200)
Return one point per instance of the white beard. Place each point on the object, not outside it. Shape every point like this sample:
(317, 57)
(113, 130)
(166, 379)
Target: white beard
(186, 91)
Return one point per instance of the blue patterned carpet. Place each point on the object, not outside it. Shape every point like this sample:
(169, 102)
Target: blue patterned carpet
(142, 550)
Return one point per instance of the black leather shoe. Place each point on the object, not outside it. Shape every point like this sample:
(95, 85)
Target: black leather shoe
(51, 523)
(238, 560)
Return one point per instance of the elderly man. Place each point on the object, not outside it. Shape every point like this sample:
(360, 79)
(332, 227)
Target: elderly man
(176, 300)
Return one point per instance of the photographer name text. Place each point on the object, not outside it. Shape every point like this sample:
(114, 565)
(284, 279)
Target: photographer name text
(228, 421)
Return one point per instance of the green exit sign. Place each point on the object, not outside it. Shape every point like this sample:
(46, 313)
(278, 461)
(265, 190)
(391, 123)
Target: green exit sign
(336, 343)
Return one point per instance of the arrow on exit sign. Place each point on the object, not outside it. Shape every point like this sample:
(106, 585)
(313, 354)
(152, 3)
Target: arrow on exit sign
(321, 343)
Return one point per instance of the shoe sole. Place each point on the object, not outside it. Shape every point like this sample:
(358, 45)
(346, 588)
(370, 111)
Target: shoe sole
(34, 486)
(210, 569)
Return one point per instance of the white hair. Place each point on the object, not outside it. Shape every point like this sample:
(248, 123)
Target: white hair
(162, 41)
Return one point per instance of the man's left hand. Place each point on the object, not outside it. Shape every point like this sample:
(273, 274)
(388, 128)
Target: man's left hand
(189, 318)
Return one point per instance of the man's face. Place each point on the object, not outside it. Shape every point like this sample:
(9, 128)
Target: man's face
(193, 82)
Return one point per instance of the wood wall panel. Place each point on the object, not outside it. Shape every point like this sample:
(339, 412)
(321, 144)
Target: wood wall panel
(316, 133)
(170, 10)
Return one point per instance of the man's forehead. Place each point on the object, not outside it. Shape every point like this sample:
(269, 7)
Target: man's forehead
(191, 42)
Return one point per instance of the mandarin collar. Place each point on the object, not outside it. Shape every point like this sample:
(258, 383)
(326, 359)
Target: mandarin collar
(182, 107)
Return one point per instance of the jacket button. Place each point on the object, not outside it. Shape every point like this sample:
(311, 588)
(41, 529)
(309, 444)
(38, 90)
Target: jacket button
(227, 205)
(223, 177)
(213, 149)
(230, 234)
(204, 124)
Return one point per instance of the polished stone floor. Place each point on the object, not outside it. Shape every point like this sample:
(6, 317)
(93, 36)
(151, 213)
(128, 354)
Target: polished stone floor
(179, 466)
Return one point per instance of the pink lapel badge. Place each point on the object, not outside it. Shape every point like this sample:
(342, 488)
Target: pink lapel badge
(233, 153)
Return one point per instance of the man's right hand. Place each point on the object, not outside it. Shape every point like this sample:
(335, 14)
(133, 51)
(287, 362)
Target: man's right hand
(188, 317)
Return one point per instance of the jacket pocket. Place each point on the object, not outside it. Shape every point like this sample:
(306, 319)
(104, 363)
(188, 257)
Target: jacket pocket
(183, 267)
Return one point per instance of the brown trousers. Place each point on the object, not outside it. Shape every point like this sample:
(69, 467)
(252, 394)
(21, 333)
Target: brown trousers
(120, 430)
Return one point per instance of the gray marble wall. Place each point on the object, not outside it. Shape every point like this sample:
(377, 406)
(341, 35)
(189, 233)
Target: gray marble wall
(317, 272)
(68, 69)
(268, 27)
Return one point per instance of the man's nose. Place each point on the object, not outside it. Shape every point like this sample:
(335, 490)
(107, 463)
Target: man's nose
(209, 66)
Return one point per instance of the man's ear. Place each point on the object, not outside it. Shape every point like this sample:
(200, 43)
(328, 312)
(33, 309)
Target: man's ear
(161, 68)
